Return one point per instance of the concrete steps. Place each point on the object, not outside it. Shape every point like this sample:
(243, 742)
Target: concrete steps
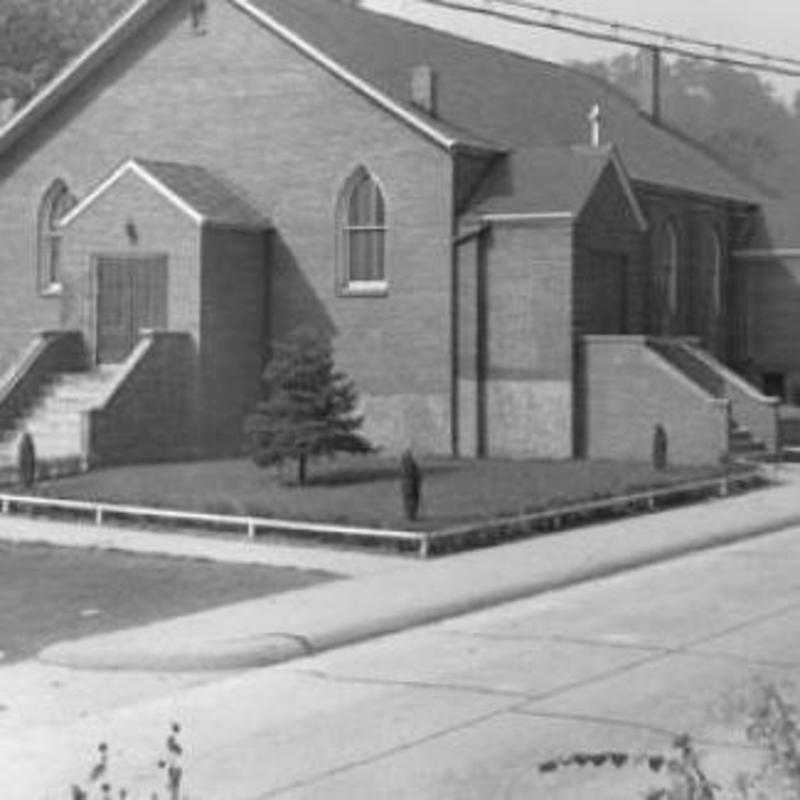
(742, 444)
(56, 420)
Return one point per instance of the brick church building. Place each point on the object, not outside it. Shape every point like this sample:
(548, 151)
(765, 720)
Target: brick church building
(510, 257)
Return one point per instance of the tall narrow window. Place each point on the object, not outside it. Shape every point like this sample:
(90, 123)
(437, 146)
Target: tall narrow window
(57, 201)
(711, 250)
(666, 268)
(362, 234)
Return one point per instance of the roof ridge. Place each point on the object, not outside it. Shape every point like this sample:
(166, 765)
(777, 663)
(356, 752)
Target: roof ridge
(211, 200)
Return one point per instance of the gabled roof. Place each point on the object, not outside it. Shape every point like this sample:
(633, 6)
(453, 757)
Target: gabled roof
(551, 181)
(488, 98)
(129, 23)
(500, 97)
(191, 189)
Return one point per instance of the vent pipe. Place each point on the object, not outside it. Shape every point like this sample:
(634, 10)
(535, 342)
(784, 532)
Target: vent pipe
(423, 89)
(650, 82)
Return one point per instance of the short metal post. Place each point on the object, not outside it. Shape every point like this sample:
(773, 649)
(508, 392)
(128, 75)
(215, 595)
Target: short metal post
(98, 515)
(6, 505)
(251, 529)
(424, 547)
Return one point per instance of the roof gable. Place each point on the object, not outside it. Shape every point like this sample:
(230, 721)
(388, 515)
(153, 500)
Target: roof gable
(191, 189)
(129, 23)
(550, 183)
(489, 99)
(502, 97)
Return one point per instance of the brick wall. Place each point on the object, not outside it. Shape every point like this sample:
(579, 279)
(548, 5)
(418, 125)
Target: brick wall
(286, 134)
(150, 416)
(528, 340)
(233, 332)
(771, 307)
(610, 265)
(101, 230)
(695, 315)
(630, 390)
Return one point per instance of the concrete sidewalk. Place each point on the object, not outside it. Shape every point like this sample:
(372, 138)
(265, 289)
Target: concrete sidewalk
(193, 545)
(286, 626)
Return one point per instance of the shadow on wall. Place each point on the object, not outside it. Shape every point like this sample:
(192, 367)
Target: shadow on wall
(293, 301)
(765, 320)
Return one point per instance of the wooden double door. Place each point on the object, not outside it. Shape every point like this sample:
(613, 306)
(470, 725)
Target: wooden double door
(131, 295)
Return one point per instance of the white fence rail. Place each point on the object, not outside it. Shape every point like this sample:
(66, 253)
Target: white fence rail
(425, 542)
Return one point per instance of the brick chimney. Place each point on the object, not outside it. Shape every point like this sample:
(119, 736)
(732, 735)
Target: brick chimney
(649, 59)
(423, 89)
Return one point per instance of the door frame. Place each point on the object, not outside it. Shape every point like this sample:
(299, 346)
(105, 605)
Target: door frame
(94, 288)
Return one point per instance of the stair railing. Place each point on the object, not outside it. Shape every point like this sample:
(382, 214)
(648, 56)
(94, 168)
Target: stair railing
(750, 408)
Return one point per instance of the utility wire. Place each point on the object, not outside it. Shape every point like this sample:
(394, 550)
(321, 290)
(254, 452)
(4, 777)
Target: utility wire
(624, 33)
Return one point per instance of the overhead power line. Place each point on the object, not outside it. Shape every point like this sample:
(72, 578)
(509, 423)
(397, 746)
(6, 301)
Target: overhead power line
(537, 15)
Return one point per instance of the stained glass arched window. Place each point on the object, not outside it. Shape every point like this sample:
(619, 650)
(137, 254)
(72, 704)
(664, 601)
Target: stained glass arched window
(57, 201)
(665, 255)
(711, 264)
(362, 233)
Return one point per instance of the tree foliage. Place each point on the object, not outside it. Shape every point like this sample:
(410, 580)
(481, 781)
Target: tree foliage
(309, 407)
(734, 112)
(39, 37)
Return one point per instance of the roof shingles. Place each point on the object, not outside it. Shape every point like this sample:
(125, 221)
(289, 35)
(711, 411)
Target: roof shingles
(212, 199)
(501, 97)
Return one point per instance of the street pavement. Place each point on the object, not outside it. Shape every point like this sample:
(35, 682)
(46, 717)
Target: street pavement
(293, 624)
(464, 708)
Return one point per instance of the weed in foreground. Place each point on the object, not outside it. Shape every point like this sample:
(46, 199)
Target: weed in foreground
(772, 727)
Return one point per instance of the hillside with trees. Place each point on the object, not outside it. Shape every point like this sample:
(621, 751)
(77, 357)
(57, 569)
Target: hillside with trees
(735, 113)
(38, 37)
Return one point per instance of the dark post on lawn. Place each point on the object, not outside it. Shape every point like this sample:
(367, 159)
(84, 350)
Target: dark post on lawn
(411, 485)
(26, 461)
(660, 448)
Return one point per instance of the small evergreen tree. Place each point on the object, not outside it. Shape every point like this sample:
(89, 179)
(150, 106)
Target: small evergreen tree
(309, 407)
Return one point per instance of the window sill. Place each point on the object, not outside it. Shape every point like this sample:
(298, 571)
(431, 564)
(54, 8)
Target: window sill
(365, 289)
(52, 290)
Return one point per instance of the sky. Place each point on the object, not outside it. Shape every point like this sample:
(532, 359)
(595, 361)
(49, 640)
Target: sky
(770, 25)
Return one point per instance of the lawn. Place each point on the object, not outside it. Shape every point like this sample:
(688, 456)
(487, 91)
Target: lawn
(365, 490)
(48, 594)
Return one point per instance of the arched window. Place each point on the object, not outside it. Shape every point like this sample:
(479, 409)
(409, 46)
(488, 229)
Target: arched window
(666, 264)
(361, 219)
(57, 201)
(711, 264)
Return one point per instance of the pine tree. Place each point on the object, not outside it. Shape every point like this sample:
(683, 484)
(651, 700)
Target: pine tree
(309, 407)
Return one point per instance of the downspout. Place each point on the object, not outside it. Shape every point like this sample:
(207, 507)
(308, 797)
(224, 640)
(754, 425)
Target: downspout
(454, 310)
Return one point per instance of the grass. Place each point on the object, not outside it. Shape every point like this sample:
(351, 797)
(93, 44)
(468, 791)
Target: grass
(365, 490)
(49, 594)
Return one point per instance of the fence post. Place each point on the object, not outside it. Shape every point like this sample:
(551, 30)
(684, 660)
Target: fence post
(98, 515)
(424, 546)
(251, 529)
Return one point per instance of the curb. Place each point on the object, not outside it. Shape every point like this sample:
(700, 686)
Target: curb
(367, 620)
